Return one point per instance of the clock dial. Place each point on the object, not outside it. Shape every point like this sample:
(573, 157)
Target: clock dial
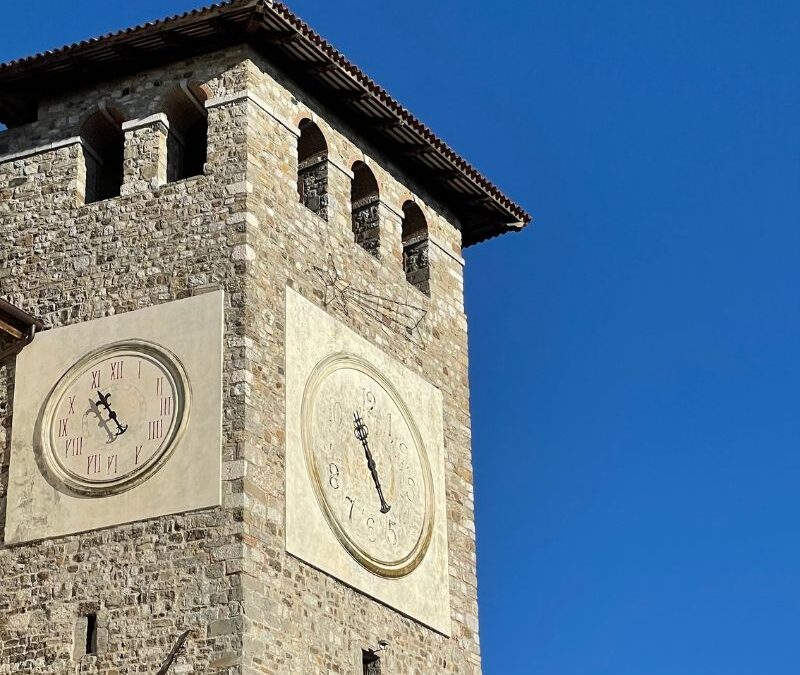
(368, 465)
(113, 417)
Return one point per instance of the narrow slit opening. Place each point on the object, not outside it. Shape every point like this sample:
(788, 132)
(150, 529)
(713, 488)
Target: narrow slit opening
(371, 662)
(91, 633)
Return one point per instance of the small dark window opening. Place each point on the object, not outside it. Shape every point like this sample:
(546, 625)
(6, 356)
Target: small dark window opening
(415, 247)
(91, 633)
(187, 142)
(365, 203)
(372, 662)
(104, 156)
(312, 169)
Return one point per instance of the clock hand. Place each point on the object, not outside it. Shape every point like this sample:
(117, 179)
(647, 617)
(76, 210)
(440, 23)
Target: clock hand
(103, 401)
(362, 432)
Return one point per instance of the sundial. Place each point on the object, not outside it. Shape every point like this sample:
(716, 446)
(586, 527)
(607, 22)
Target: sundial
(401, 316)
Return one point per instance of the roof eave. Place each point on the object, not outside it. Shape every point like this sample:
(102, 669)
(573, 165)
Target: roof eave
(271, 28)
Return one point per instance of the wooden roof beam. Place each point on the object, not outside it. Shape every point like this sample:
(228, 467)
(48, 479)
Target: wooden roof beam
(438, 174)
(319, 68)
(127, 51)
(175, 38)
(414, 150)
(19, 325)
(256, 21)
(384, 123)
(352, 96)
(229, 26)
(280, 36)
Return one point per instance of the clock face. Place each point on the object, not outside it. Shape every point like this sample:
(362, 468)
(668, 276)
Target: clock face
(368, 465)
(114, 416)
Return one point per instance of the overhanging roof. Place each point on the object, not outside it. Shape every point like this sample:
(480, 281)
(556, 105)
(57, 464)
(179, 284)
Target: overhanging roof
(16, 322)
(314, 63)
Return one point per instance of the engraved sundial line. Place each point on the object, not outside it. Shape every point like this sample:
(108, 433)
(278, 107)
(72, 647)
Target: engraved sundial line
(387, 311)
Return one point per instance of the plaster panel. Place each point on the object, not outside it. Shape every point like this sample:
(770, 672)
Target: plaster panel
(312, 336)
(38, 505)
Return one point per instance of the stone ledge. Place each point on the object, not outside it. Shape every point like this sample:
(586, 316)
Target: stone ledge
(151, 120)
(56, 145)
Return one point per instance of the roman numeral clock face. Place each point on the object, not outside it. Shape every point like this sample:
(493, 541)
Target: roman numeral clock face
(113, 417)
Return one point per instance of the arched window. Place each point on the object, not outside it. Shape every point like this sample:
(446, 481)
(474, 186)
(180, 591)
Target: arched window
(415, 247)
(187, 143)
(104, 152)
(312, 169)
(364, 202)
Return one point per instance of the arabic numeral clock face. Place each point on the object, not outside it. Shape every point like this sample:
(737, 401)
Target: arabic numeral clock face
(114, 417)
(368, 465)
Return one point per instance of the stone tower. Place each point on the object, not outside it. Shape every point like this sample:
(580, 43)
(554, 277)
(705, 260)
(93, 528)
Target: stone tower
(240, 439)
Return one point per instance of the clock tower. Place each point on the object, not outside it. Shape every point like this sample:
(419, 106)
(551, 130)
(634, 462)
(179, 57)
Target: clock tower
(234, 404)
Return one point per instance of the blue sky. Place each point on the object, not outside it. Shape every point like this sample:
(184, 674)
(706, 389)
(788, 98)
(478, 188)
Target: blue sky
(635, 364)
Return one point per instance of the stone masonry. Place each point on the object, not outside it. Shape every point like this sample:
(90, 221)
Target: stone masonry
(222, 574)
(366, 223)
(312, 179)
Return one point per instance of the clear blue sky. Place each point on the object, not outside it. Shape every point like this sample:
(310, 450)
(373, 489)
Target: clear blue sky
(635, 364)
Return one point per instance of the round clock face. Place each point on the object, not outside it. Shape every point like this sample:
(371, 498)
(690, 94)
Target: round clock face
(114, 416)
(368, 465)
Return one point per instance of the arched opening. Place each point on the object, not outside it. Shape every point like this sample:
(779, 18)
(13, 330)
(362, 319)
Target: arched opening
(364, 203)
(371, 662)
(187, 142)
(312, 169)
(415, 247)
(104, 153)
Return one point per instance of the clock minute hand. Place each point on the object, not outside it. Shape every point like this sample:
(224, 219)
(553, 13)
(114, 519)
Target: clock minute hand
(103, 401)
(362, 432)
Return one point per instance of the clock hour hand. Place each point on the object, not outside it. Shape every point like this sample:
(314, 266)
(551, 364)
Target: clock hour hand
(103, 401)
(362, 432)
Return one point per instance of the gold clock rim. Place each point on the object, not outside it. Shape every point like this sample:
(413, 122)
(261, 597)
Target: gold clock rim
(175, 369)
(384, 568)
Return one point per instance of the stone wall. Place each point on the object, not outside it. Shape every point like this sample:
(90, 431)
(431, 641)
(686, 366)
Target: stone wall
(68, 262)
(312, 182)
(223, 573)
(416, 262)
(366, 223)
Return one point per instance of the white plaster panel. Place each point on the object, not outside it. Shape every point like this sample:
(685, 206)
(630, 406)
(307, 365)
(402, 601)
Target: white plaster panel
(189, 479)
(312, 335)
